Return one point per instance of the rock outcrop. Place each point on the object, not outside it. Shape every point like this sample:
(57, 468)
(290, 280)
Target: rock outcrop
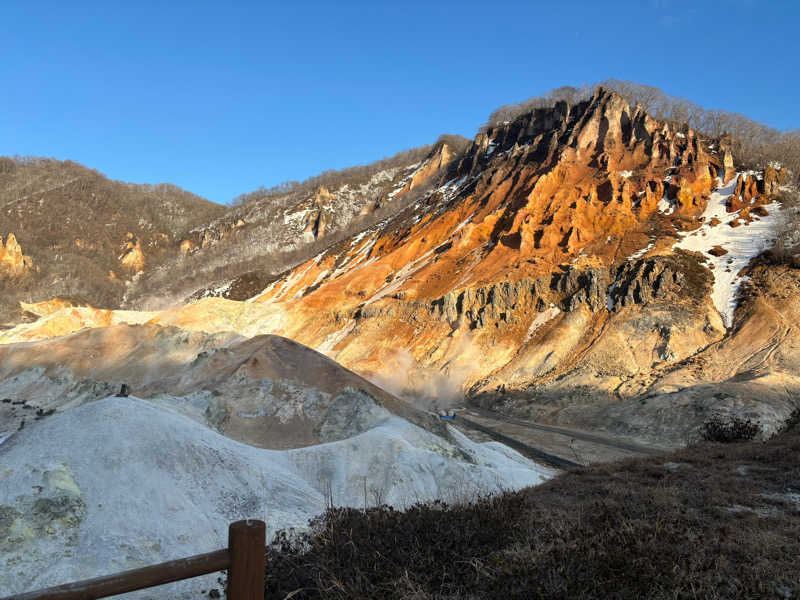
(13, 263)
(317, 209)
(666, 278)
(773, 179)
(506, 301)
(132, 257)
(756, 190)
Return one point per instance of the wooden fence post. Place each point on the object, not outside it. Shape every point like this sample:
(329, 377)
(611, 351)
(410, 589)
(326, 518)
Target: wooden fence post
(247, 550)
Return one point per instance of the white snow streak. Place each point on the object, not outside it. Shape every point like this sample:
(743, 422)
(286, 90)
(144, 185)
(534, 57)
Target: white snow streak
(328, 344)
(643, 251)
(742, 243)
(542, 318)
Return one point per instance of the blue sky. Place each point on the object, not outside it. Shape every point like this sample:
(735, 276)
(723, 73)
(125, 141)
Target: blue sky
(222, 97)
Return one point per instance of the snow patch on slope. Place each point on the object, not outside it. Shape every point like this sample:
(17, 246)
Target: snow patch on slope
(543, 317)
(665, 205)
(450, 189)
(643, 251)
(742, 243)
(330, 342)
(217, 292)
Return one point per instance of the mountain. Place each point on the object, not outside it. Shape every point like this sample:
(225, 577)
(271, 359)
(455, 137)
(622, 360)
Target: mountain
(82, 234)
(572, 263)
(582, 263)
(73, 233)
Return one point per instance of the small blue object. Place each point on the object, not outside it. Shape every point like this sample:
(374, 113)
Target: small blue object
(448, 417)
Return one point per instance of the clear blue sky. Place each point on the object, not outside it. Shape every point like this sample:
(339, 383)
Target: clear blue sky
(221, 98)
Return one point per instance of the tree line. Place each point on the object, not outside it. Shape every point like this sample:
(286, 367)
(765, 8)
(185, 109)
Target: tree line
(335, 178)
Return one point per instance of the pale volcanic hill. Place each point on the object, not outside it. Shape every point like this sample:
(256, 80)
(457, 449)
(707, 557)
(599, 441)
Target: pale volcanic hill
(266, 391)
(217, 427)
(120, 483)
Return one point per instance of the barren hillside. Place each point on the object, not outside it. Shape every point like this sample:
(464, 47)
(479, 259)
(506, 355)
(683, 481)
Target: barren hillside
(84, 235)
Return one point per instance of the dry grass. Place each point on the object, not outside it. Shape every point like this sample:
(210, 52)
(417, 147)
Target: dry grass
(711, 521)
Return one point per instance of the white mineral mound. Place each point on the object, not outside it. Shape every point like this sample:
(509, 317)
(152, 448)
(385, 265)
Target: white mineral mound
(121, 483)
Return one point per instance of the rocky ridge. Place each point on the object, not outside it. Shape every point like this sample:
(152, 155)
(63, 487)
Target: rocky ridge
(242, 251)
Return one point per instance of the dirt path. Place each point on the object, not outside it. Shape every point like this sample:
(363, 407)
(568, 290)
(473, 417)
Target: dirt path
(572, 433)
(555, 446)
(535, 454)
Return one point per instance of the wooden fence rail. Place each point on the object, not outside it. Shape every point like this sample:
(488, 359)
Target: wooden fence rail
(243, 559)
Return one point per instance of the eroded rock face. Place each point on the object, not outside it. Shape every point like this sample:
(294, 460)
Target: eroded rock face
(728, 169)
(773, 179)
(317, 214)
(132, 257)
(536, 221)
(662, 278)
(755, 190)
(13, 263)
(482, 305)
(567, 290)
